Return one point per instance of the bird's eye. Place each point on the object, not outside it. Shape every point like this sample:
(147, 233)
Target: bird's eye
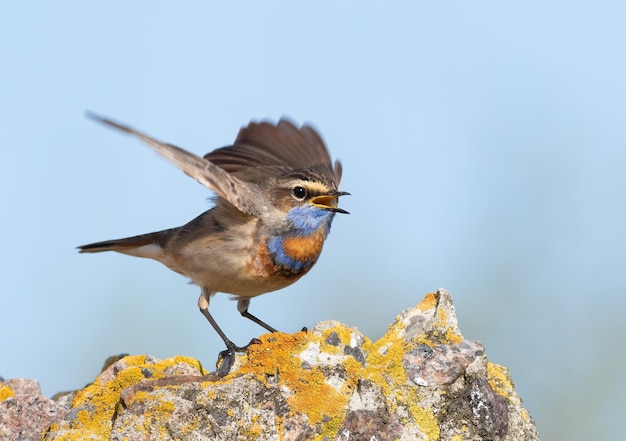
(299, 192)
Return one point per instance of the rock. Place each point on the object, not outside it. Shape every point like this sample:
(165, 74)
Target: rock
(24, 413)
(421, 381)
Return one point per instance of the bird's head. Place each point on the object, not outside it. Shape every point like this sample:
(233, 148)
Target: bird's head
(307, 199)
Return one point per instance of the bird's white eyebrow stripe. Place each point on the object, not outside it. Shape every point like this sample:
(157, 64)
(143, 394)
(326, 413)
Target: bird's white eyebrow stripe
(312, 186)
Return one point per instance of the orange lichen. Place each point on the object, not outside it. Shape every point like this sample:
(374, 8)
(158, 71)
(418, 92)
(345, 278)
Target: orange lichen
(273, 354)
(316, 373)
(428, 302)
(311, 394)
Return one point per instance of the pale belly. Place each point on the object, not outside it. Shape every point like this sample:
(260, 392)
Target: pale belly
(230, 270)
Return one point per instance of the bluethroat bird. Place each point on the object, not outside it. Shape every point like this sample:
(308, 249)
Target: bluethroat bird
(277, 194)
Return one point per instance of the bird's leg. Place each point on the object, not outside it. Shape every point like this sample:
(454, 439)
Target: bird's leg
(229, 354)
(242, 307)
(232, 347)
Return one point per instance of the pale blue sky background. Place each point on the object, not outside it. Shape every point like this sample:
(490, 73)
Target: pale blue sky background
(484, 144)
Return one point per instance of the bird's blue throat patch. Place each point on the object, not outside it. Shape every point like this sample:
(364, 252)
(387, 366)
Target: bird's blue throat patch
(299, 248)
(309, 219)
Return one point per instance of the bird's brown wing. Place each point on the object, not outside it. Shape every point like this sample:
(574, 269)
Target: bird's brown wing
(281, 146)
(217, 178)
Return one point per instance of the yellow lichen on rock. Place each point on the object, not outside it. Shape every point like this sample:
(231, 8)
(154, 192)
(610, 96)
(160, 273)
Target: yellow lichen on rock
(384, 362)
(272, 355)
(429, 301)
(310, 392)
(500, 381)
(420, 381)
(5, 392)
(426, 420)
(96, 405)
(163, 409)
(385, 369)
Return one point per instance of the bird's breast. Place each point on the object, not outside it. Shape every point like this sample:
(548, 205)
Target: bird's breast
(294, 255)
(303, 248)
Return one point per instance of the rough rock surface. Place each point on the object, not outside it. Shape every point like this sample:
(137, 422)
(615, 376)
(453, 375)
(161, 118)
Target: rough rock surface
(24, 413)
(421, 381)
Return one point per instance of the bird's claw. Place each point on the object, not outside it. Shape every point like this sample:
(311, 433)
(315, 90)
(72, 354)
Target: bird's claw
(228, 356)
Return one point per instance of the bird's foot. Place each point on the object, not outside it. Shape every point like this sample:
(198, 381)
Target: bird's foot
(228, 356)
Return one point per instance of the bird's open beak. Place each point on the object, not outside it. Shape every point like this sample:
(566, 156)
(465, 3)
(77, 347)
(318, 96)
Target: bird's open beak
(329, 201)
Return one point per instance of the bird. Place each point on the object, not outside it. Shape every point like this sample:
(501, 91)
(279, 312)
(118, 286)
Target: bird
(277, 193)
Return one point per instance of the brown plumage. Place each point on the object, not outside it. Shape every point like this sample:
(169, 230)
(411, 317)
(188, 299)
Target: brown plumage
(277, 193)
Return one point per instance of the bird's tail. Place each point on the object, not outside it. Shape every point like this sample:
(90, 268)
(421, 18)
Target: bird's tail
(145, 245)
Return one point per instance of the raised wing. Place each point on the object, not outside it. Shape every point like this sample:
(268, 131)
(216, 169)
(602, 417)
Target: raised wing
(282, 147)
(218, 179)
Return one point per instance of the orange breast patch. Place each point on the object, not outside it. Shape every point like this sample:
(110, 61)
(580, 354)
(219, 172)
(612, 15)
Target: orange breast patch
(304, 248)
